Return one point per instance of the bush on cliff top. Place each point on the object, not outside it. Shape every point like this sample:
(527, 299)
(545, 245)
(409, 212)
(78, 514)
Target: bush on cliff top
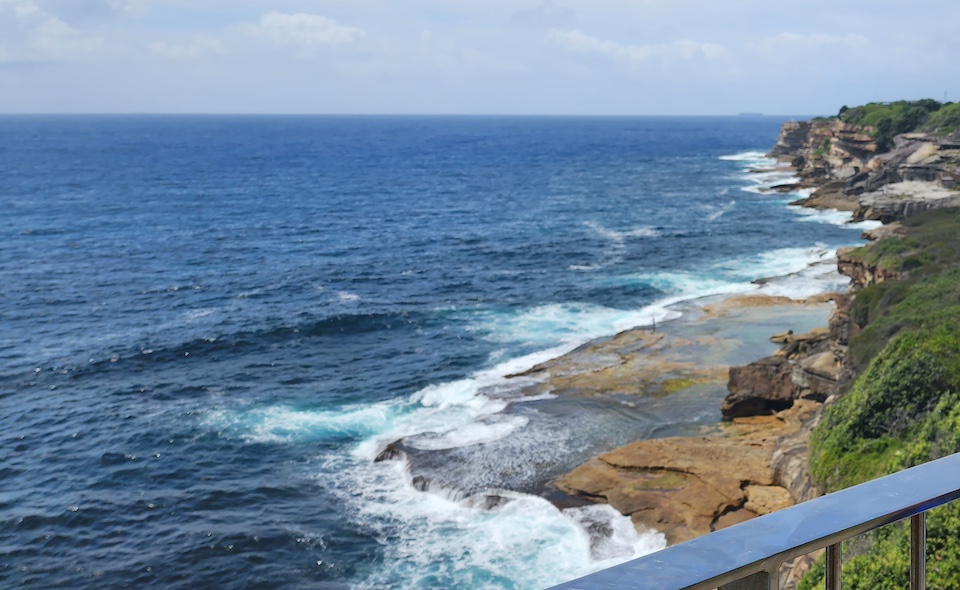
(875, 113)
(891, 118)
(904, 409)
(945, 121)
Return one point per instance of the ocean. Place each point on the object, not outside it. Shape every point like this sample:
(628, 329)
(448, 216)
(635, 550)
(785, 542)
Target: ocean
(212, 325)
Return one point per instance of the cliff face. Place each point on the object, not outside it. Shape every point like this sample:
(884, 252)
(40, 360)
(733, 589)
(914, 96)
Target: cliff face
(825, 150)
(842, 163)
(862, 273)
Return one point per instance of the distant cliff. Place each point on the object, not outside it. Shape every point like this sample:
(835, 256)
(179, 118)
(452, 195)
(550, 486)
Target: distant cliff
(883, 161)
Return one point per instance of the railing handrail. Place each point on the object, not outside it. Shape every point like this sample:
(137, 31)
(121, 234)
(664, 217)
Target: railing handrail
(762, 544)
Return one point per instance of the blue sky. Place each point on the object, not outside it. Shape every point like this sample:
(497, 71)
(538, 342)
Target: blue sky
(602, 57)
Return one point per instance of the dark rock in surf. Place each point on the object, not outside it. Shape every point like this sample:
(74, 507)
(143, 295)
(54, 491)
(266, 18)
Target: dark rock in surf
(392, 452)
(762, 387)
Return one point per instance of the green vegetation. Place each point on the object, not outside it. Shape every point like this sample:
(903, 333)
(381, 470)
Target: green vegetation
(880, 561)
(904, 408)
(927, 297)
(824, 147)
(875, 113)
(669, 386)
(885, 120)
(945, 121)
(891, 118)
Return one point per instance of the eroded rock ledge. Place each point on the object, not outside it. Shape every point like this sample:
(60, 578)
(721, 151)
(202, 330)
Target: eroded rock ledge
(685, 487)
(749, 466)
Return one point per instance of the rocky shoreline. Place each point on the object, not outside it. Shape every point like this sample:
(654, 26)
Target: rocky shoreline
(749, 465)
(756, 462)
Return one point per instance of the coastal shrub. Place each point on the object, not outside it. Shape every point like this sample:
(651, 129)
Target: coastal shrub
(885, 309)
(823, 148)
(890, 119)
(944, 121)
(881, 559)
(865, 434)
(904, 408)
(875, 112)
(886, 253)
(928, 295)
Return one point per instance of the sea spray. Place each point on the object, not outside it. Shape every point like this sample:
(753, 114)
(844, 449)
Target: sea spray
(433, 540)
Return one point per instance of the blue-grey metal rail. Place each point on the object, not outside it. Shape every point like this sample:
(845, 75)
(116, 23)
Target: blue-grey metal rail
(748, 556)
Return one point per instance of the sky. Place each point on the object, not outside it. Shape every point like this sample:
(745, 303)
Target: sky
(548, 57)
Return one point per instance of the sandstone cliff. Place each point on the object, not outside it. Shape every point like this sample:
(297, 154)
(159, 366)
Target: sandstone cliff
(842, 162)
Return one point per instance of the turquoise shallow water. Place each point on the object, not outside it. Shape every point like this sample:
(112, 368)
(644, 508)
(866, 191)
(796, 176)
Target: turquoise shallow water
(211, 325)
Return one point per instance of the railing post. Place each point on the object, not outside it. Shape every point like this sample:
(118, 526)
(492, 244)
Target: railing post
(834, 567)
(918, 551)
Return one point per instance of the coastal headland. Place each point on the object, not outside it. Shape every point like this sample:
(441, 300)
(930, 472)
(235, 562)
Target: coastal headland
(759, 459)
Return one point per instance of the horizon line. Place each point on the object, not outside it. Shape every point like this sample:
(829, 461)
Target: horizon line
(744, 115)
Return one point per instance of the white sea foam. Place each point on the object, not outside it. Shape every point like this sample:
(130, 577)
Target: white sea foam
(798, 273)
(621, 236)
(751, 156)
(762, 173)
(436, 539)
(833, 217)
(757, 190)
(488, 430)
(773, 263)
(772, 177)
(284, 423)
(618, 244)
(196, 314)
(715, 212)
(439, 537)
(569, 324)
(683, 286)
(812, 280)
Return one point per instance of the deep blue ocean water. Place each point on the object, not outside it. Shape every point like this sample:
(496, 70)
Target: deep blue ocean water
(212, 325)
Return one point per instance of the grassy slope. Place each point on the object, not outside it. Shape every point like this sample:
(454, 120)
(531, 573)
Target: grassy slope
(904, 409)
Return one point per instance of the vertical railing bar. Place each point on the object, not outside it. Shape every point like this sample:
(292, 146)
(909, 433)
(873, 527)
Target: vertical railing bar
(834, 567)
(918, 551)
(774, 577)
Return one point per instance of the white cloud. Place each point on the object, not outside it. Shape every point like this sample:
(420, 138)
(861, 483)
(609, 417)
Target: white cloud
(38, 36)
(303, 30)
(54, 39)
(579, 42)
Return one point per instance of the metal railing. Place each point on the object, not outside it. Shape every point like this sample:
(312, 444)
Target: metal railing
(748, 556)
